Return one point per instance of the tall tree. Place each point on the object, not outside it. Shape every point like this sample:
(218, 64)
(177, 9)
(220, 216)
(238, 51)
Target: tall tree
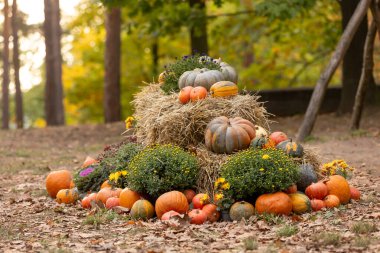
(54, 108)
(16, 66)
(5, 84)
(198, 28)
(112, 105)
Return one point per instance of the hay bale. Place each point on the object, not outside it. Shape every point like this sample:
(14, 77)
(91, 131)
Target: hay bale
(162, 119)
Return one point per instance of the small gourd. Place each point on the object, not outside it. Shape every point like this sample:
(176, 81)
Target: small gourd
(291, 148)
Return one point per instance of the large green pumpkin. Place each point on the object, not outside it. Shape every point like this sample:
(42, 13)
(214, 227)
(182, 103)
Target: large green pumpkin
(200, 77)
(241, 210)
(307, 176)
(142, 209)
(291, 148)
(301, 203)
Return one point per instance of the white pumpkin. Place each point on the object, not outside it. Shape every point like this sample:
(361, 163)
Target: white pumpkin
(229, 72)
(261, 132)
(200, 77)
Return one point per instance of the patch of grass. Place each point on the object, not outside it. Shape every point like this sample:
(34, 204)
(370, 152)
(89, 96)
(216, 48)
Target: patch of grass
(250, 243)
(287, 230)
(327, 238)
(271, 218)
(359, 133)
(312, 138)
(362, 242)
(363, 228)
(101, 217)
(271, 249)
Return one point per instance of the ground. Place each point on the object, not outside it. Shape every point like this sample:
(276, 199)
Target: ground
(31, 221)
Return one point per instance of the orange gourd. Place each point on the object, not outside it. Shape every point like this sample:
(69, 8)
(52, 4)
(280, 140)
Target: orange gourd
(276, 203)
(355, 194)
(316, 190)
(190, 194)
(197, 216)
(86, 201)
(171, 201)
(278, 137)
(168, 215)
(200, 200)
(89, 161)
(184, 94)
(107, 193)
(112, 202)
(67, 196)
(128, 198)
(105, 184)
(331, 201)
(317, 204)
(58, 180)
(212, 212)
(338, 186)
(198, 93)
(291, 189)
(142, 209)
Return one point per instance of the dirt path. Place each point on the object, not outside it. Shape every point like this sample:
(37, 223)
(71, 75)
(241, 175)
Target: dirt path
(30, 221)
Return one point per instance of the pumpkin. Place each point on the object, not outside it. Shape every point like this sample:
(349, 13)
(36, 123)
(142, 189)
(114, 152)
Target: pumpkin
(89, 161)
(200, 77)
(105, 184)
(316, 190)
(198, 93)
(197, 216)
(317, 204)
(107, 193)
(162, 77)
(224, 135)
(307, 176)
(229, 73)
(301, 203)
(240, 210)
(72, 184)
(128, 198)
(169, 215)
(291, 148)
(190, 194)
(86, 201)
(171, 201)
(212, 212)
(200, 200)
(67, 196)
(338, 186)
(112, 202)
(58, 180)
(278, 137)
(224, 89)
(142, 209)
(259, 142)
(276, 203)
(355, 194)
(261, 132)
(184, 94)
(291, 189)
(331, 201)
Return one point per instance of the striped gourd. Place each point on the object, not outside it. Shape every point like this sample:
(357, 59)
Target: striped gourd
(224, 89)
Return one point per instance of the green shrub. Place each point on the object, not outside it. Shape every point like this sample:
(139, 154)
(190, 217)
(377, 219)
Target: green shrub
(257, 171)
(186, 63)
(162, 168)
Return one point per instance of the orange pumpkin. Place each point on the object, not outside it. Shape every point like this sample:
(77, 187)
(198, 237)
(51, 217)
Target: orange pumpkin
(112, 202)
(142, 209)
(317, 204)
(331, 201)
(171, 201)
(107, 193)
(355, 194)
(105, 184)
(72, 184)
(86, 201)
(168, 215)
(198, 93)
(240, 210)
(128, 198)
(190, 194)
(291, 189)
(212, 213)
(58, 180)
(197, 216)
(338, 186)
(184, 94)
(89, 161)
(67, 196)
(200, 200)
(316, 190)
(278, 137)
(276, 203)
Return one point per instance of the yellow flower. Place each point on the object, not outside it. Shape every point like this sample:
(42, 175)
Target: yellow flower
(225, 186)
(112, 177)
(262, 169)
(221, 180)
(265, 157)
(124, 172)
(219, 196)
(117, 175)
(204, 198)
(129, 122)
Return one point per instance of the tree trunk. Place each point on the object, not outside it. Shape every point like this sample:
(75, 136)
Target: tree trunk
(112, 106)
(5, 84)
(54, 109)
(249, 56)
(198, 33)
(155, 56)
(353, 60)
(16, 66)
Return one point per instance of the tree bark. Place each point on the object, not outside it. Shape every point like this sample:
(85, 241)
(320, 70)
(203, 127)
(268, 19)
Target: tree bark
(54, 108)
(112, 106)
(198, 33)
(155, 56)
(16, 66)
(320, 89)
(367, 71)
(5, 84)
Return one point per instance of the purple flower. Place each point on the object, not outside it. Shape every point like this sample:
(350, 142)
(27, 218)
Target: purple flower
(85, 172)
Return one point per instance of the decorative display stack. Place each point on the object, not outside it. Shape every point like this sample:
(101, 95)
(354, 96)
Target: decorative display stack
(200, 149)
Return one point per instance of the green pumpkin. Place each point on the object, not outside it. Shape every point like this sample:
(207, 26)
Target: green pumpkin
(259, 142)
(291, 148)
(301, 203)
(307, 176)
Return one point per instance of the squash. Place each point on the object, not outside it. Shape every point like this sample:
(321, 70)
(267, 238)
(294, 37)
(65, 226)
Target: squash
(58, 180)
(184, 94)
(198, 93)
(331, 201)
(224, 89)
(112, 202)
(200, 200)
(317, 204)
(291, 189)
(200, 77)
(107, 193)
(317, 190)
(88, 162)
(128, 198)
(240, 210)
(169, 215)
(301, 203)
(67, 196)
(276, 203)
(291, 148)
(307, 176)
(86, 201)
(190, 194)
(229, 73)
(355, 194)
(142, 209)
(278, 137)
(197, 216)
(224, 135)
(261, 132)
(338, 186)
(259, 142)
(105, 184)
(211, 210)
(171, 201)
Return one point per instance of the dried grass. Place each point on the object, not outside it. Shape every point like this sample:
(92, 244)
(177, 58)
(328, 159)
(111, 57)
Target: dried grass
(162, 119)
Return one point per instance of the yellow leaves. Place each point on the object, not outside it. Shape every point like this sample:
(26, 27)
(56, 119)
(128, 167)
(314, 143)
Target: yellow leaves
(116, 175)
(265, 157)
(334, 166)
(219, 196)
(221, 184)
